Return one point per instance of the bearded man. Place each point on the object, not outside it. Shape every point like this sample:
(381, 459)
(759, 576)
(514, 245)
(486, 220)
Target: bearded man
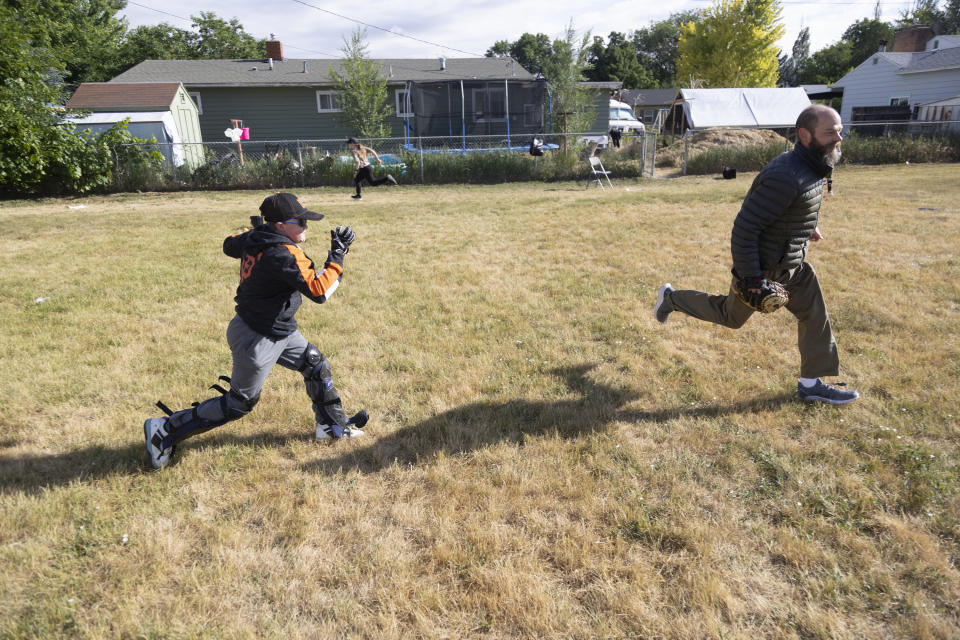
(769, 242)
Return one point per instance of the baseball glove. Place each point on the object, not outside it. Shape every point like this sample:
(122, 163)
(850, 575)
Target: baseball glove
(760, 294)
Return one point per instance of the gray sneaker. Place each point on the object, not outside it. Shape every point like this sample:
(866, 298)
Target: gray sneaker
(391, 179)
(663, 307)
(154, 431)
(823, 392)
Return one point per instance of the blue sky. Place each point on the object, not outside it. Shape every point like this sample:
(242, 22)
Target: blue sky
(460, 28)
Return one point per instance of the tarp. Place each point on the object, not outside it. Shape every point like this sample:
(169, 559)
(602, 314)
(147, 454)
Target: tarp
(751, 108)
(143, 124)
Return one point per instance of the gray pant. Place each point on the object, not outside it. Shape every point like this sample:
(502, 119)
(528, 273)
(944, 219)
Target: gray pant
(818, 349)
(254, 356)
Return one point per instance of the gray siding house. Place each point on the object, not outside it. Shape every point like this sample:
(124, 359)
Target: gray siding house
(922, 68)
(281, 98)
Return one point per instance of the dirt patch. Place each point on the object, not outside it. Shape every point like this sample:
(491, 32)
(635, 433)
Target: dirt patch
(672, 154)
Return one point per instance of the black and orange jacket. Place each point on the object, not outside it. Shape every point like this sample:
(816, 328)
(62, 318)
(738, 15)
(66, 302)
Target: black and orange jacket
(274, 273)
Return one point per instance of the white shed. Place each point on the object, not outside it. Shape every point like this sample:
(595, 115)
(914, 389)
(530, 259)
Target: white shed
(161, 110)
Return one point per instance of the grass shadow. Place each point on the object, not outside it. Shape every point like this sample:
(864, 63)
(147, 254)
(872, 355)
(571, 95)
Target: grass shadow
(453, 432)
(479, 424)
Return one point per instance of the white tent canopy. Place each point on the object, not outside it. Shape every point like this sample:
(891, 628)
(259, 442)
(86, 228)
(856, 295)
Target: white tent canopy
(750, 108)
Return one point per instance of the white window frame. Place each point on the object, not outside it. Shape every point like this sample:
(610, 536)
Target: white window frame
(899, 101)
(402, 99)
(484, 93)
(197, 101)
(334, 101)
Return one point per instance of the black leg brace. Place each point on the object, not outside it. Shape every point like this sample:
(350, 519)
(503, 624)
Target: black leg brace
(327, 407)
(203, 416)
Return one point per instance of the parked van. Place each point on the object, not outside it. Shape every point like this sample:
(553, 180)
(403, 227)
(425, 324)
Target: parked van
(621, 118)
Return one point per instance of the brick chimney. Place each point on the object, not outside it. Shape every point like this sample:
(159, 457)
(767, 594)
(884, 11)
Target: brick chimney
(912, 39)
(274, 49)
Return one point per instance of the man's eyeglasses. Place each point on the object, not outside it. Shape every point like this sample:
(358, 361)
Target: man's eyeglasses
(297, 221)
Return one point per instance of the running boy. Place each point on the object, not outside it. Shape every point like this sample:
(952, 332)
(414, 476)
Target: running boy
(274, 274)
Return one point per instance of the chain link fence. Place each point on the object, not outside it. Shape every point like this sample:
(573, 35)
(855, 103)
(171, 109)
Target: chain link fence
(411, 160)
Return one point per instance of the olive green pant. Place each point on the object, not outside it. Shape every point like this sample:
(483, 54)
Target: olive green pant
(818, 350)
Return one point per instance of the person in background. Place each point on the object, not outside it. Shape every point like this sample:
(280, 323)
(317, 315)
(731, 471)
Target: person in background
(362, 169)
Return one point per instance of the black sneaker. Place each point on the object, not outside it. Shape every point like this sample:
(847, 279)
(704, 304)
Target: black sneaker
(823, 392)
(663, 307)
(355, 197)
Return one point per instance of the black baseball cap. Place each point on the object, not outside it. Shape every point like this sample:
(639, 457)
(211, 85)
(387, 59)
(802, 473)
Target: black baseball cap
(352, 141)
(281, 207)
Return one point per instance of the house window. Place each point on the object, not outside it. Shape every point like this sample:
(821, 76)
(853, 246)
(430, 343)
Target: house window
(649, 115)
(328, 101)
(531, 115)
(489, 105)
(900, 101)
(404, 108)
(198, 102)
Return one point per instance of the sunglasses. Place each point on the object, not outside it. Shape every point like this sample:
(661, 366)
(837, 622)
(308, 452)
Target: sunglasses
(297, 221)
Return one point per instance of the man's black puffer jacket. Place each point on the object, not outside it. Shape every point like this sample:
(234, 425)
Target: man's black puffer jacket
(778, 216)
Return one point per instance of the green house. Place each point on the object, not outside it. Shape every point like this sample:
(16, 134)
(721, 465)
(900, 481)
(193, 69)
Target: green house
(286, 99)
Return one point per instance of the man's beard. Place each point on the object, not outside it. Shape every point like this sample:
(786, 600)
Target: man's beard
(831, 157)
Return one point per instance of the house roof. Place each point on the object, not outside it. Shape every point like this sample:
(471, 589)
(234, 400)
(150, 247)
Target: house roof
(104, 96)
(933, 60)
(642, 97)
(305, 71)
(913, 62)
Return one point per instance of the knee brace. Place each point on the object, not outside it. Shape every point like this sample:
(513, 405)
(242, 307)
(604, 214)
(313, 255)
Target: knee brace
(203, 416)
(327, 407)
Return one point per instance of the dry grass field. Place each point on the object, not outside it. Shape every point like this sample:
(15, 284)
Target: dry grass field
(544, 460)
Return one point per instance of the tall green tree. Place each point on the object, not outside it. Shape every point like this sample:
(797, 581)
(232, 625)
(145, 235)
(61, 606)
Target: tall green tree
(657, 48)
(216, 38)
(81, 35)
(39, 153)
(532, 51)
(827, 65)
(573, 108)
(792, 67)
(362, 88)
(616, 59)
(732, 45)
(865, 37)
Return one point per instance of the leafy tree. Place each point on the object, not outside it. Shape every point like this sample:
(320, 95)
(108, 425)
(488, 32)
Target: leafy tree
(152, 42)
(213, 38)
(865, 36)
(573, 108)
(617, 60)
(657, 47)
(216, 38)
(81, 35)
(733, 45)
(363, 89)
(827, 65)
(531, 51)
(792, 67)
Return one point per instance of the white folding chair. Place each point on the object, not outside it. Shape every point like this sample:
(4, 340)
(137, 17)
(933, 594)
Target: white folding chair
(597, 172)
